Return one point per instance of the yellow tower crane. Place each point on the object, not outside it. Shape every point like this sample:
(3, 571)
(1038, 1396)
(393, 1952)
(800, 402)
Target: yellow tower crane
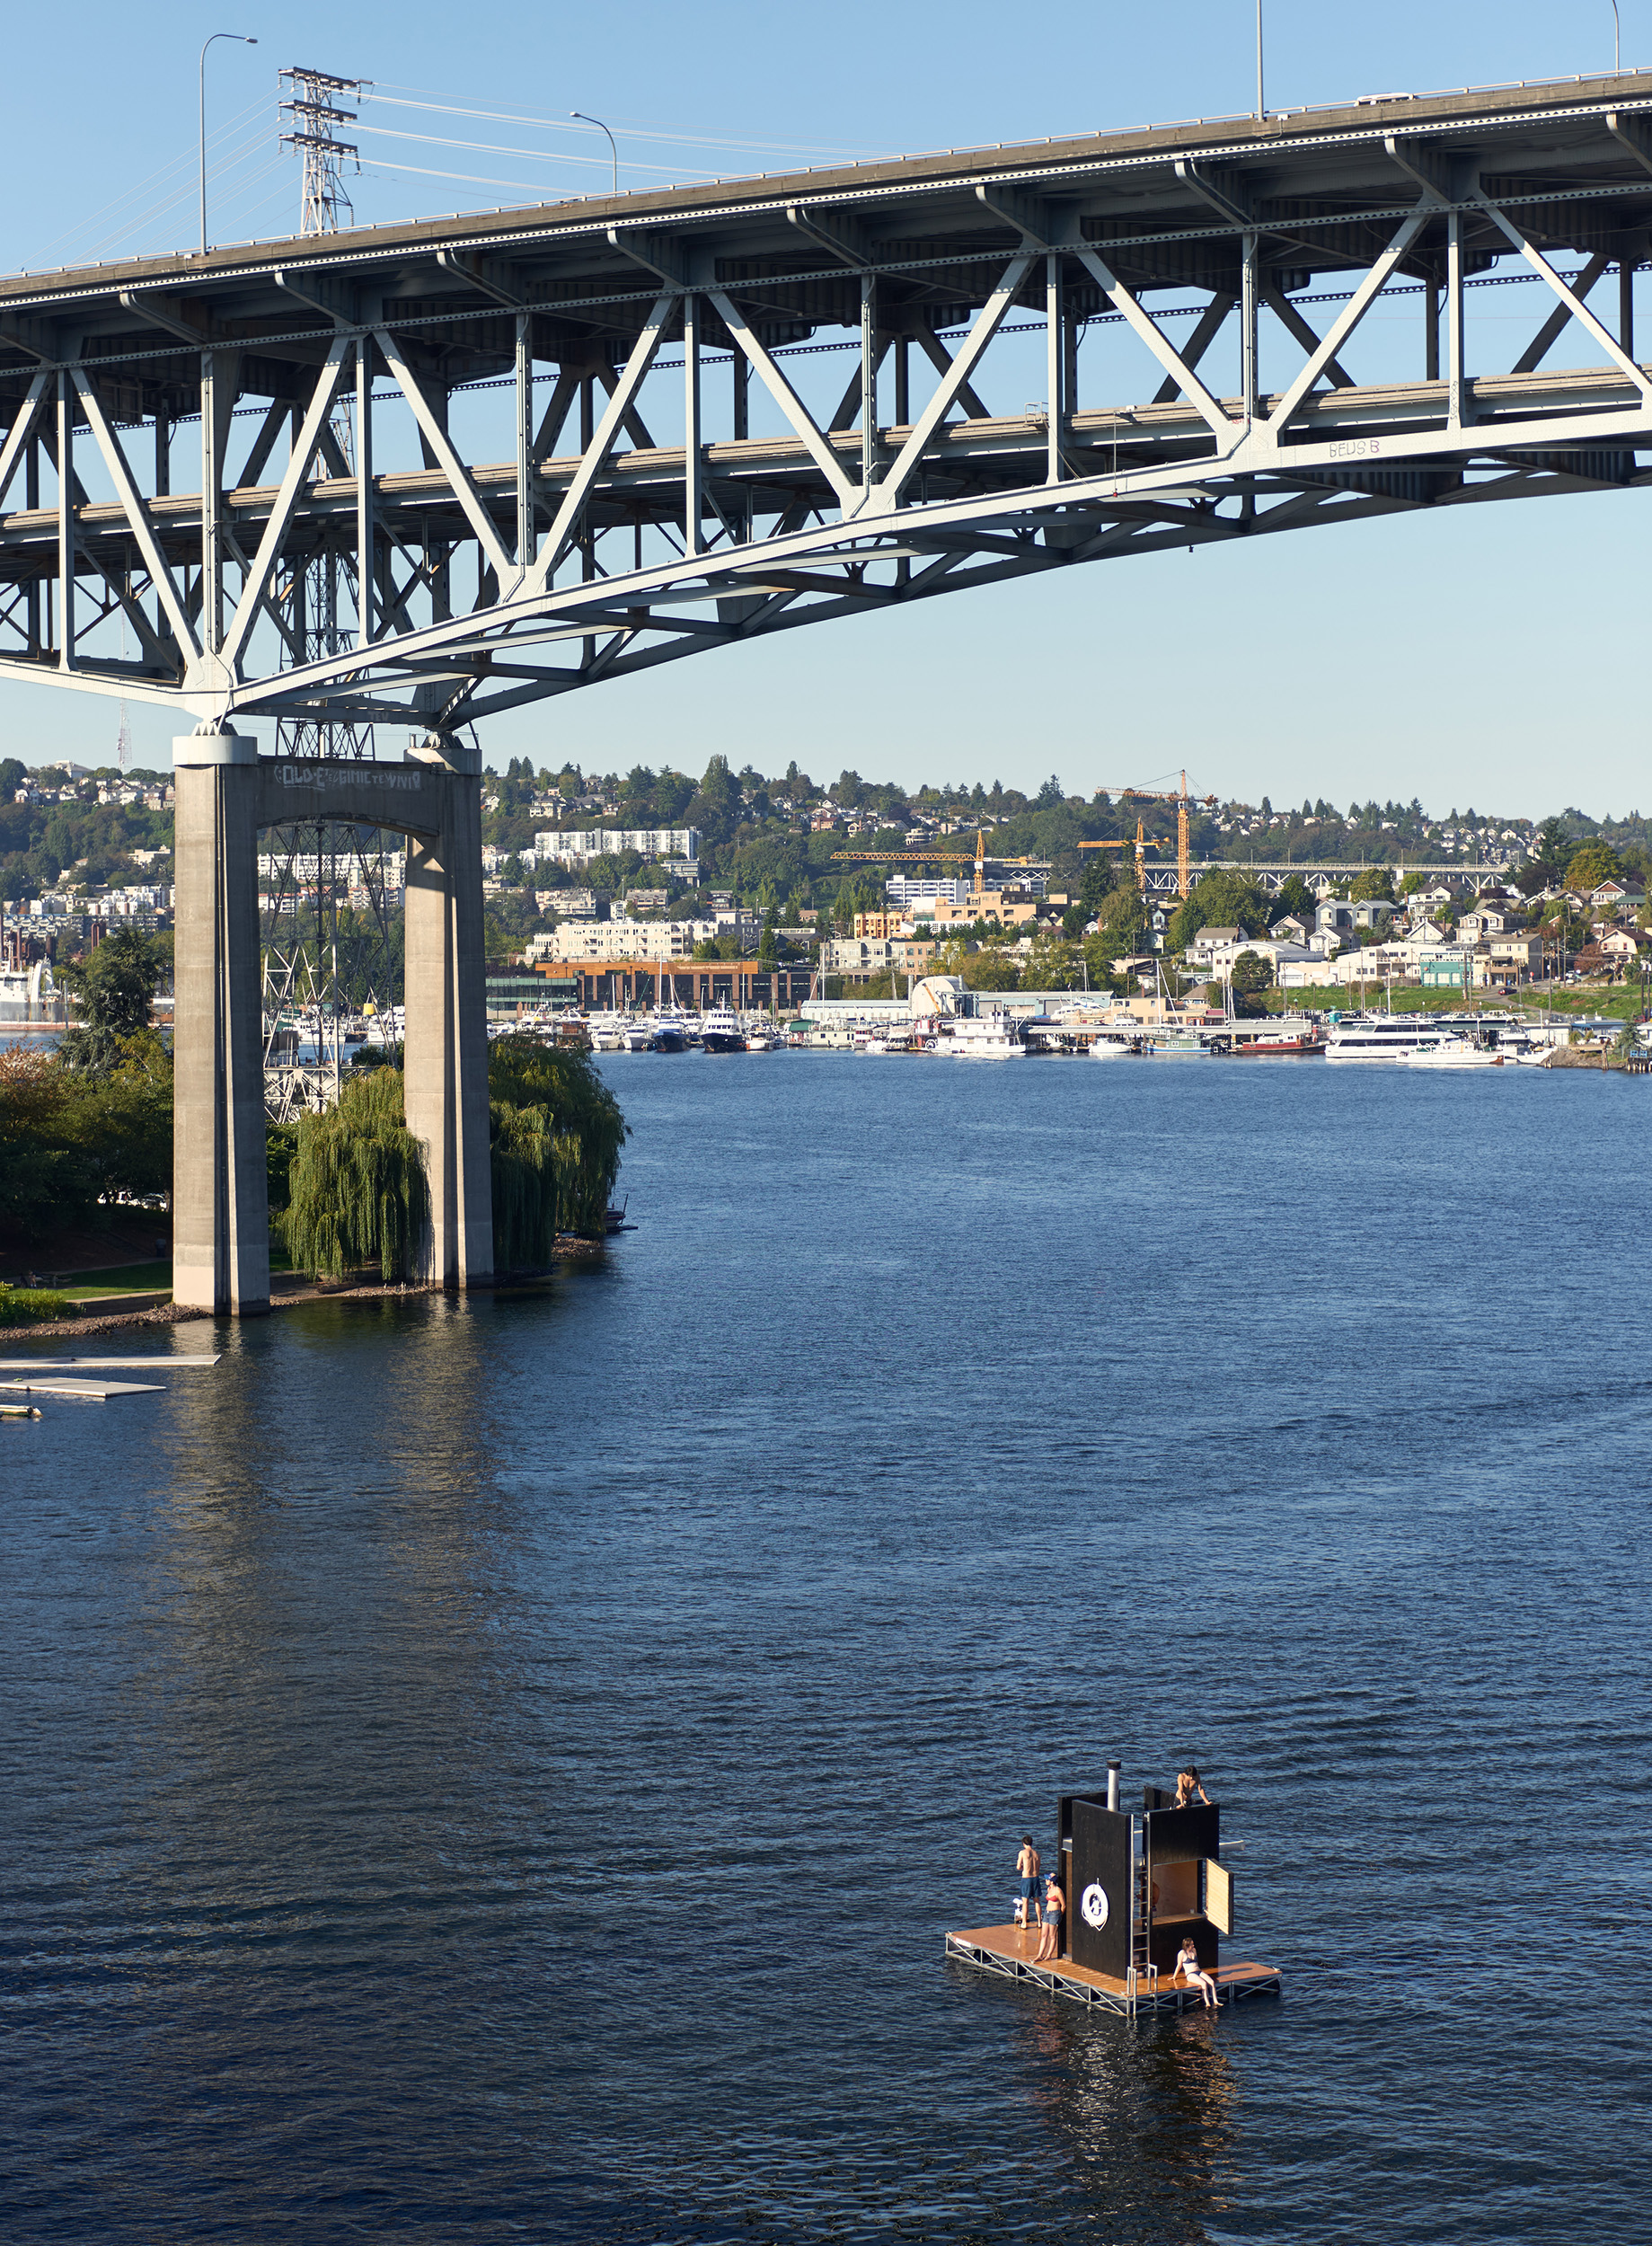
(1141, 841)
(1184, 819)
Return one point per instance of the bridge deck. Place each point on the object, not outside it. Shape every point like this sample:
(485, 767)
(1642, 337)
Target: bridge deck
(458, 543)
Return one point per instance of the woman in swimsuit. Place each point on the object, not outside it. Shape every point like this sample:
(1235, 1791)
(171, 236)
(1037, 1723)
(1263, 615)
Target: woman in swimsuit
(1049, 1941)
(1188, 1968)
(1187, 1787)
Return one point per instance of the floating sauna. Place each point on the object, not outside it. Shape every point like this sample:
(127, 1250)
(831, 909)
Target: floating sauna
(1137, 1884)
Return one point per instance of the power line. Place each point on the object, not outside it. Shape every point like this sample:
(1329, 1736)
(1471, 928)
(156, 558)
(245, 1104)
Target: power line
(669, 136)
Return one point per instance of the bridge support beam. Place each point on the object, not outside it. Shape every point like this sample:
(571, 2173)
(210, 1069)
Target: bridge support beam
(446, 1059)
(220, 1185)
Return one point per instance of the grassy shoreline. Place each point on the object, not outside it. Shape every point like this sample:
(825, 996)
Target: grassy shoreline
(1618, 1002)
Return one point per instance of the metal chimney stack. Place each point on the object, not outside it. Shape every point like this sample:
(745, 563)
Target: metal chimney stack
(1112, 1786)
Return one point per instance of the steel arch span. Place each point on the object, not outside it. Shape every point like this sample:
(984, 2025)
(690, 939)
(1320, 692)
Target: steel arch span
(586, 438)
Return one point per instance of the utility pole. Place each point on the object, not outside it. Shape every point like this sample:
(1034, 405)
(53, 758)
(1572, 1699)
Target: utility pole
(314, 113)
(318, 600)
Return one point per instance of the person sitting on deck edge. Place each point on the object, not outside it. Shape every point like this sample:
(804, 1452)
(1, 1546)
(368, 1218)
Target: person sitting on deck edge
(1188, 1787)
(1188, 1966)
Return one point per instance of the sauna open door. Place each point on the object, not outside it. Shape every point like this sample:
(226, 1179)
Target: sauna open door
(1218, 1896)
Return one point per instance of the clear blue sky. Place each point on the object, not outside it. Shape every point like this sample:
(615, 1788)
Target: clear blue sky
(1485, 656)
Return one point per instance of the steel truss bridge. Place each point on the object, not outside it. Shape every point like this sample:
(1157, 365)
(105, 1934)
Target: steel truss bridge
(1162, 880)
(425, 474)
(591, 438)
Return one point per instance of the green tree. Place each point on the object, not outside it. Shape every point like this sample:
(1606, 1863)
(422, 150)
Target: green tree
(115, 986)
(1052, 964)
(357, 1188)
(1376, 881)
(121, 1119)
(1596, 862)
(1099, 878)
(1251, 978)
(991, 969)
(1224, 899)
(1554, 850)
(1122, 922)
(574, 1137)
(1292, 896)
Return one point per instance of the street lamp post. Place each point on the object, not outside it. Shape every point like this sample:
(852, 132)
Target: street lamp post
(1261, 97)
(601, 127)
(246, 41)
(1617, 39)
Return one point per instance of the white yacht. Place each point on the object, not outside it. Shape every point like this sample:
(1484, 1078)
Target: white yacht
(720, 1031)
(985, 1037)
(1382, 1037)
(1109, 1046)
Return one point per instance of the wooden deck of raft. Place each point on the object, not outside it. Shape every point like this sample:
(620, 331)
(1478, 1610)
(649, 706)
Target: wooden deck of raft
(1008, 1950)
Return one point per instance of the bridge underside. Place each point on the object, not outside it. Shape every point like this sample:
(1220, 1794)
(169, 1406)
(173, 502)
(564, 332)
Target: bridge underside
(557, 445)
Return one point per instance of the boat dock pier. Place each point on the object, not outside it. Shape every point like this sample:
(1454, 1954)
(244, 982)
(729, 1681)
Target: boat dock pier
(1007, 1951)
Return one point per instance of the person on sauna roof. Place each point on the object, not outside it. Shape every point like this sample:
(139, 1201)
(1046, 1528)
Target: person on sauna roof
(1187, 1787)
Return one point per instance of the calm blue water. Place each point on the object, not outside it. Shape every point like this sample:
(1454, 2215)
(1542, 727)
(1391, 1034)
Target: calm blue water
(504, 1771)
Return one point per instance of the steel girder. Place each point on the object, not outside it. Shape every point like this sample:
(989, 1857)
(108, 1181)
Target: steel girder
(565, 543)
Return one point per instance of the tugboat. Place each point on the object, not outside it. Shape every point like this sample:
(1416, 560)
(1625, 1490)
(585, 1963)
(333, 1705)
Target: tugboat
(720, 1031)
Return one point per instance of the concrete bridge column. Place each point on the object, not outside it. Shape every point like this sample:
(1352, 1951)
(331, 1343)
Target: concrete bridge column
(446, 1077)
(220, 1184)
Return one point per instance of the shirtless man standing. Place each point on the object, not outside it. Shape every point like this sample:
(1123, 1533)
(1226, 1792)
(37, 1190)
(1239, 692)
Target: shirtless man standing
(1026, 1871)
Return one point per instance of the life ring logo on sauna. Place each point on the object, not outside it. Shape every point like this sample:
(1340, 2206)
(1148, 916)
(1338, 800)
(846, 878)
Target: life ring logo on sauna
(1093, 1905)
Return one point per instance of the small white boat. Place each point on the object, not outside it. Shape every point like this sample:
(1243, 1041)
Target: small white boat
(1109, 1047)
(1455, 1053)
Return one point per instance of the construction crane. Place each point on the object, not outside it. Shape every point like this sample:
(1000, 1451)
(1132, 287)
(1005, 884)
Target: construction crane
(935, 858)
(1141, 841)
(1184, 803)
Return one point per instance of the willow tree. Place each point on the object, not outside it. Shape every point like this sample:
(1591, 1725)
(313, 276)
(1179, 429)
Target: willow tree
(357, 1185)
(557, 1135)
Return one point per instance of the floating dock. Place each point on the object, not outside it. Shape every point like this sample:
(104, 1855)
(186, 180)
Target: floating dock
(1007, 1951)
(81, 1391)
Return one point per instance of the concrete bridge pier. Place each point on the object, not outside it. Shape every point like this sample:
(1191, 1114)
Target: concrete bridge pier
(446, 1063)
(220, 1184)
(225, 793)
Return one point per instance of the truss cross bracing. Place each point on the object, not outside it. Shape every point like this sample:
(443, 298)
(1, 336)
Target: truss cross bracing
(590, 437)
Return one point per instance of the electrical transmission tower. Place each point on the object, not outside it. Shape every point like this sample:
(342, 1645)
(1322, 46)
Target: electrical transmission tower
(314, 113)
(307, 867)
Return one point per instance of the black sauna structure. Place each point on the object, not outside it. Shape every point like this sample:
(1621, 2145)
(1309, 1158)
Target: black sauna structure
(1139, 1882)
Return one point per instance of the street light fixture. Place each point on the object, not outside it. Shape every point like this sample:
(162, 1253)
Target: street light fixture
(601, 127)
(246, 41)
(1617, 39)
